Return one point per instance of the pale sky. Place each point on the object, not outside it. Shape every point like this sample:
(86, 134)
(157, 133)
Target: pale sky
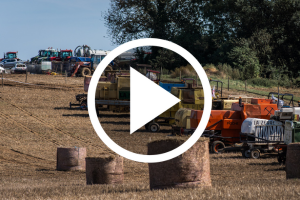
(31, 25)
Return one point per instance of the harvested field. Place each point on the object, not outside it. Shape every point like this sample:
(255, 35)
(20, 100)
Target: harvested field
(35, 120)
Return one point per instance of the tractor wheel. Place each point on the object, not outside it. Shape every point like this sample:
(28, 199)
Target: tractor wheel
(255, 153)
(246, 153)
(85, 72)
(83, 105)
(217, 147)
(281, 158)
(153, 127)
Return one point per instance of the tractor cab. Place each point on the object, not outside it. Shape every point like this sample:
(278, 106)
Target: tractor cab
(64, 55)
(10, 55)
(153, 75)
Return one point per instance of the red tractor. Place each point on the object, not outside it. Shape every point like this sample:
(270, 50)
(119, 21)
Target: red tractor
(64, 55)
(10, 55)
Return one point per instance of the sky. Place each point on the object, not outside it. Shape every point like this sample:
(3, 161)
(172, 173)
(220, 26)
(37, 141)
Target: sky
(31, 25)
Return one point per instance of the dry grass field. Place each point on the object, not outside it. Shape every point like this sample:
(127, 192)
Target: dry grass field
(35, 120)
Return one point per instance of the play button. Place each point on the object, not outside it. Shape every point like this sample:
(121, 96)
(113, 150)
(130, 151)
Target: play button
(144, 108)
(147, 100)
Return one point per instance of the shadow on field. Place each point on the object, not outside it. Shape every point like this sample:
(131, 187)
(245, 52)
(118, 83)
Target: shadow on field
(114, 115)
(67, 108)
(143, 130)
(277, 169)
(116, 123)
(75, 115)
(265, 164)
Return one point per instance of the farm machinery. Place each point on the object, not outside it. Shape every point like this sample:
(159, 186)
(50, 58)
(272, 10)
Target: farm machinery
(86, 60)
(192, 97)
(113, 90)
(10, 55)
(64, 55)
(49, 54)
(224, 126)
(265, 136)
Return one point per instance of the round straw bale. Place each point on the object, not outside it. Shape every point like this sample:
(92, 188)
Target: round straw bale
(190, 169)
(104, 170)
(292, 164)
(70, 158)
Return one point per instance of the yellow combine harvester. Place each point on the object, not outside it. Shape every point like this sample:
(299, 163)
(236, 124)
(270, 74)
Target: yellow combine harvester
(114, 94)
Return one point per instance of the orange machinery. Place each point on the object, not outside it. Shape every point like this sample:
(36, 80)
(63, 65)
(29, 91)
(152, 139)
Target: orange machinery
(224, 126)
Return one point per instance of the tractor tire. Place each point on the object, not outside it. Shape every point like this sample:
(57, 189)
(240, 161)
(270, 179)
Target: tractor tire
(217, 147)
(246, 153)
(153, 127)
(83, 105)
(281, 158)
(255, 153)
(85, 72)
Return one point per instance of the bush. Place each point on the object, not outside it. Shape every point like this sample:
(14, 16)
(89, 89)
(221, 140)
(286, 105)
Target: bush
(268, 82)
(235, 74)
(262, 82)
(186, 71)
(225, 68)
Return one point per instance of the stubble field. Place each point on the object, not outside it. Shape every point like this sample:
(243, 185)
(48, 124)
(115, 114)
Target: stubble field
(36, 119)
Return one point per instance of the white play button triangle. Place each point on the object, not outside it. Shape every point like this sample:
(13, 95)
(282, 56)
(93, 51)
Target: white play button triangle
(147, 100)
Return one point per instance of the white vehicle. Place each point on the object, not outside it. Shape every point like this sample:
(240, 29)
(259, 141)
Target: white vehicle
(2, 70)
(19, 68)
(9, 63)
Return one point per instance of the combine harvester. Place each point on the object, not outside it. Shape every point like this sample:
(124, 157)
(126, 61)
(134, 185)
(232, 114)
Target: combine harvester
(113, 90)
(224, 126)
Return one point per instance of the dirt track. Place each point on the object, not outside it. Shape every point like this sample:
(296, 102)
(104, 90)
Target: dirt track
(35, 120)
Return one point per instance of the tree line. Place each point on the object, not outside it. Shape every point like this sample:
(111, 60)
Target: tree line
(260, 38)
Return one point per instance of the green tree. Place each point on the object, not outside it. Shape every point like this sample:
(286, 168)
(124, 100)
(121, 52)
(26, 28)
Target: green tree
(245, 59)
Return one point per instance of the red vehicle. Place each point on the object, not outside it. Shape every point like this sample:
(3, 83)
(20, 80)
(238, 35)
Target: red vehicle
(10, 55)
(64, 55)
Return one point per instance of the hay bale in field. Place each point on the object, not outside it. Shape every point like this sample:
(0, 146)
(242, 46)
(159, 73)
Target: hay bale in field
(190, 169)
(104, 170)
(69, 159)
(292, 164)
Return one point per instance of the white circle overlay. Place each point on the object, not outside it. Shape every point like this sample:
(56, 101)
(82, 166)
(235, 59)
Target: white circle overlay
(141, 157)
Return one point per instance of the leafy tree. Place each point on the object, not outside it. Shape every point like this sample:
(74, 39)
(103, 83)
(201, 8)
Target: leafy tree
(244, 59)
(173, 20)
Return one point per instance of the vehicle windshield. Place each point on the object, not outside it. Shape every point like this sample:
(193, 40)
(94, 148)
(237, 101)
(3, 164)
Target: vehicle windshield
(66, 54)
(97, 58)
(11, 55)
(47, 53)
(54, 54)
(43, 53)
